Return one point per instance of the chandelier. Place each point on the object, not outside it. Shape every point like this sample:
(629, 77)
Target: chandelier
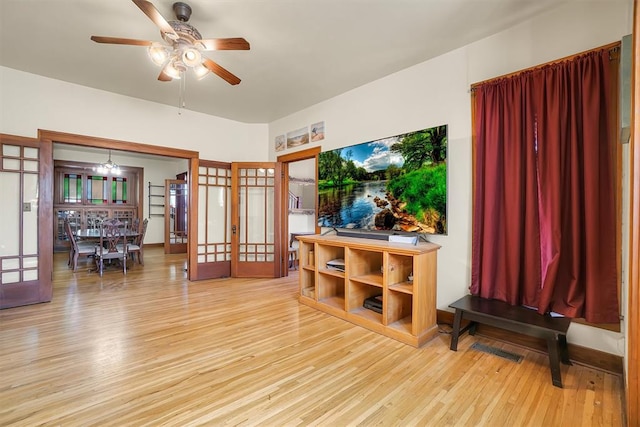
(108, 167)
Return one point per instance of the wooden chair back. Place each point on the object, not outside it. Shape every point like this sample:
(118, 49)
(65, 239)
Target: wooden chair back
(135, 225)
(112, 234)
(143, 232)
(70, 236)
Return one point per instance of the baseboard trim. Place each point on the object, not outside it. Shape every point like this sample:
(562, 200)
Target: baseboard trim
(578, 354)
(157, 245)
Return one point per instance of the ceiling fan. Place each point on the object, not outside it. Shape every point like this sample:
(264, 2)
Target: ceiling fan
(184, 45)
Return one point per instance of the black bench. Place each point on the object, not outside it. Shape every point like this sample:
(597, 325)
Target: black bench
(516, 319)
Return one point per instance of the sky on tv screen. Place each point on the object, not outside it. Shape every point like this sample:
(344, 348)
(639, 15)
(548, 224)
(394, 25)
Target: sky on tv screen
(375, 155)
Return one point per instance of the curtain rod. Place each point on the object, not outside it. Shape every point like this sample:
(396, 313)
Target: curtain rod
(612, 47)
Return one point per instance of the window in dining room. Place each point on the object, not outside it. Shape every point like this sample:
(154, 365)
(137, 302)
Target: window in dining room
(119, 190)
(97, 189)
(72, 188)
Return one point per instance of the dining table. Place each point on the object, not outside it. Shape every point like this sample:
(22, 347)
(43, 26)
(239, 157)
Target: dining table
(94, 234)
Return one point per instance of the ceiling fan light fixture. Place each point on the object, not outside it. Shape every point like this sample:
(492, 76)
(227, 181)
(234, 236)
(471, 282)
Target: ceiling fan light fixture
(200, 71)
(158, 53)
(174, 69)
(191, 57)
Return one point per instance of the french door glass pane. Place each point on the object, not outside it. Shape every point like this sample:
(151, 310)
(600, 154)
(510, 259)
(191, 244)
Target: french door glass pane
(256, 211)
(214, 211)
(10, 213)
(30, 215)
(11, 150)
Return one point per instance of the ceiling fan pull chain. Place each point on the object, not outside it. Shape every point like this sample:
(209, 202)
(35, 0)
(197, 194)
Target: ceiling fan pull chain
(183, 87)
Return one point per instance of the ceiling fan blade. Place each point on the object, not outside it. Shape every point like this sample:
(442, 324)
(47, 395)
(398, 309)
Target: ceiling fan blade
(118, 40)
(237, 43)
(217, 69)
(164, 77)
(150, 10)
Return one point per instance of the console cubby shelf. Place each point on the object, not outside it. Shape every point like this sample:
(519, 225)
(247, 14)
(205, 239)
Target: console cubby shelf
(372, 268)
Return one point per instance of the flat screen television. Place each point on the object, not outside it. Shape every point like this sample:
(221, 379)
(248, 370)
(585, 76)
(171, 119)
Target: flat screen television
(395, 185)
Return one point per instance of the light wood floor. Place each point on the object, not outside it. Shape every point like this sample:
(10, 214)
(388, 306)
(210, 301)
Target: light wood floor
(151, 348)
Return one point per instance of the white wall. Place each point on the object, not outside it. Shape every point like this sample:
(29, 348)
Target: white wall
(436, 92)
(29, 102)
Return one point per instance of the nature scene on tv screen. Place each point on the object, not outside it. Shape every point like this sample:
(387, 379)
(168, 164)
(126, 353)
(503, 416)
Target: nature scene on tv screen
(395, 184)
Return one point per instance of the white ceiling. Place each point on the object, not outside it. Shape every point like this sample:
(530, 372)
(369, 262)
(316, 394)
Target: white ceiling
(302, 51)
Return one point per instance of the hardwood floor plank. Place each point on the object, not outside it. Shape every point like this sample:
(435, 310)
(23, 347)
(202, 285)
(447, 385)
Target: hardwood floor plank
(151, 348)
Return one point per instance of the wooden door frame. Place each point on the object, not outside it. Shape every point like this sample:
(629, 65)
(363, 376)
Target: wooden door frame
(632, 383)
(310, 153)
(48, 137)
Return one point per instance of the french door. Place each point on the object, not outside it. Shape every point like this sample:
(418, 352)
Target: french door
(213, 221)
(26, 243)
(256, 220)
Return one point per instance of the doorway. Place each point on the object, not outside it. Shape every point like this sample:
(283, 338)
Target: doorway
(299, 201)
(129, 152)
(176, 199)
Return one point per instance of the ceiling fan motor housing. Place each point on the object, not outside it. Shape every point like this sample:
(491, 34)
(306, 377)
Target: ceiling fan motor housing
(182, 11)
(185, 30)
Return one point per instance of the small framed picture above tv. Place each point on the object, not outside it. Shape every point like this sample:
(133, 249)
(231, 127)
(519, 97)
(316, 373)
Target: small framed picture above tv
(396, 184)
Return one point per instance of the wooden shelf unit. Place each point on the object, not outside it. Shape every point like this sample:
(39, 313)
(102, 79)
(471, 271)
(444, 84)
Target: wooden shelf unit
(372, 267)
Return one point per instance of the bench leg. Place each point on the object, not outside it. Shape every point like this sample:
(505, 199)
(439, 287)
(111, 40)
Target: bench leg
(457, 319)
(564, 351)
(554, 361)
(473, 326)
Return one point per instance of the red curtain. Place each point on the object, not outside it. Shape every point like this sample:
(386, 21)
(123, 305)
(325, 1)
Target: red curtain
(544, 225)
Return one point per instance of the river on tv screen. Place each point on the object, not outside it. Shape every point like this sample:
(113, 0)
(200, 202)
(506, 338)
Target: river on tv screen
(395, 184)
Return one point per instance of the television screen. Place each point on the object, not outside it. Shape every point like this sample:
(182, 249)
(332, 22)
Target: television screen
(396, 184)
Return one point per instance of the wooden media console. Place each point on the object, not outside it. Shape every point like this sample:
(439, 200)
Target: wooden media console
(372, 268)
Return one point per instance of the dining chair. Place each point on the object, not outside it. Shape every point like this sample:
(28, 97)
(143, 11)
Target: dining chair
(135, 225)
(77, 248)
(136, 246)
(112, 244)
